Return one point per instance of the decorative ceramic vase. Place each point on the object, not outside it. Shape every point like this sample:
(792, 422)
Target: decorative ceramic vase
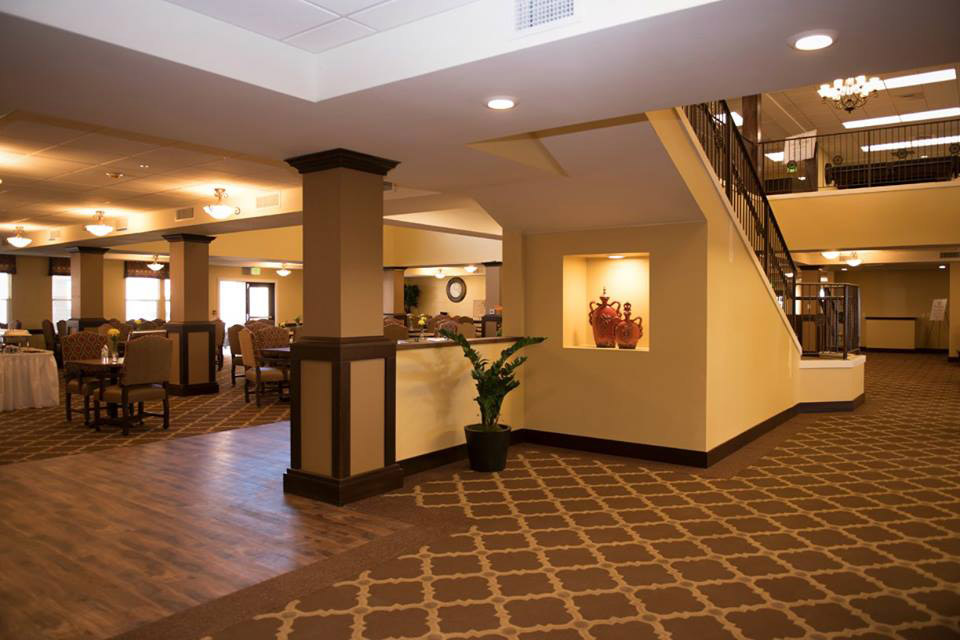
(629, 330)
(604, 319)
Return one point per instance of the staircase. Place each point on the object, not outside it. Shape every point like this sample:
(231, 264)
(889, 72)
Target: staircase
(725, 148)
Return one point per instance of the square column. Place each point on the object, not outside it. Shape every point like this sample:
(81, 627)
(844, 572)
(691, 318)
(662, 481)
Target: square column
(193, 368)
(86, 284)
(343, 371)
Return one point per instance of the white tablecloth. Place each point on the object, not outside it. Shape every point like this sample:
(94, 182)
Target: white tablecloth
(28, 380)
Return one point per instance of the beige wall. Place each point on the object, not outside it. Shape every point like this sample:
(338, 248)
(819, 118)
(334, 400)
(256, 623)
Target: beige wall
(409, 247)
(953, 303)
(900, 216)
(903, 292)
(433, 295)
(826, 380)
(289, 290)
(31, 300)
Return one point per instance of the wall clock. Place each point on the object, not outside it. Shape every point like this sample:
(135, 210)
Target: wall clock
(456, 289)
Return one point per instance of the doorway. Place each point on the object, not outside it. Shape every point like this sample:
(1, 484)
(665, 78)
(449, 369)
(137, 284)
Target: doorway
(241, 302)
(261, 301)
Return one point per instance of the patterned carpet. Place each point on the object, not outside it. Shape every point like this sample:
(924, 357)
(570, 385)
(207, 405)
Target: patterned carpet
(849, 529)
(33, 434)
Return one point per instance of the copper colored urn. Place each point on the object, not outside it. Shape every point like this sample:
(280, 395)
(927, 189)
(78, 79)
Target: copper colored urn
(629, 330)
(604, 319)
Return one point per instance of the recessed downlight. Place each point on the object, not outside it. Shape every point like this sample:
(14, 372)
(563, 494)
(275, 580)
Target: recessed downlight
(812, 40)
(501, 103)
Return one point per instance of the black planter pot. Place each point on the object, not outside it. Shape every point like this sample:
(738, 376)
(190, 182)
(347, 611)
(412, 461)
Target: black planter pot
(487, 449)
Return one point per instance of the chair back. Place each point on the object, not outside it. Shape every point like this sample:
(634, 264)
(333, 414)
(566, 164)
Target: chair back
(147, 361)
(258, 325)
(83, 345)
(269, 337)
(466, 328)
(446, 323)
(49, 337)
(394, 331)
(102, 329)
(61, 328)
(233, 339)
(219, 330)
(297, 332)
(247, 351)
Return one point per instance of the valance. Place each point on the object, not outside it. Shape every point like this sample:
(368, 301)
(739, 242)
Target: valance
(59, 266)
(8, 263)
(135, 269)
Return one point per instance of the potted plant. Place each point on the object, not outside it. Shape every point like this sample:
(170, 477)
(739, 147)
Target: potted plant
(487, 441)
(411, 296)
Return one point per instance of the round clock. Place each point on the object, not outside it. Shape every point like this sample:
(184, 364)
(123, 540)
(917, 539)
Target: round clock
(456, 289)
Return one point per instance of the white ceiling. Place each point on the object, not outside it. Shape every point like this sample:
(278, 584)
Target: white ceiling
(318, 25)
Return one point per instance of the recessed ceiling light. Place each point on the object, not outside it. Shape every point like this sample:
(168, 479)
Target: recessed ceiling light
(144, 166)
(501, 104)
(910, 144)
(615, 257)
(916, 116)
(812, 40)
(115, 174)
(943, 266)
(914, 79)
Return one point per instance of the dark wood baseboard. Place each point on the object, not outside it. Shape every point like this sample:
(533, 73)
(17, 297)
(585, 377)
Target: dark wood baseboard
(829, 407)
(735, 443)
(341, 491)
(917, 350)
(202, 388)
(953, 358)
(590, 444)
(456, 453)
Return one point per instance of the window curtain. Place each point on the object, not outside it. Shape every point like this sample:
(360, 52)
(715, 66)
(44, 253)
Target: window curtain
(134, 269)
(59, 266)
(8, 264)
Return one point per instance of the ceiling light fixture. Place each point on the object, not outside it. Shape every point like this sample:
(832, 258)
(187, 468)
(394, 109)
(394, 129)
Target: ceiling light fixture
(927, 77)
(812, 40)
(115, 174)
(19, 240)
(776, 156)
(283, 272)
(156, 265)
(99, 227)
(910, 144)
(439, 274)
(218, 209)
(470, 268)
(501, 103)
(851, 93)
(144, 166)
(823, 279)
(830, 255)
(615, 257)
(853, 260)
(788, 274)
(917, 116)
(943, 266)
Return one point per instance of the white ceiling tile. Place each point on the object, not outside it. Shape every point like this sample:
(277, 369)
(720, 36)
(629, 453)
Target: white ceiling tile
(330, 35)
(96, 148)
(95, 177)
(397, 12)
(39, 132)
(345, 7)
(277, 19)
(169, 158)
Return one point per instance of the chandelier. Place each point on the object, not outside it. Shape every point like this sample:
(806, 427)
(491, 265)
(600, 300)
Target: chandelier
(851, 93)
(19, 240)
(219, 209)
(156, 265)
(99, 226)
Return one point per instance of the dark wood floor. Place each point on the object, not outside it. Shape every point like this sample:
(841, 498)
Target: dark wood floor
(95, 544)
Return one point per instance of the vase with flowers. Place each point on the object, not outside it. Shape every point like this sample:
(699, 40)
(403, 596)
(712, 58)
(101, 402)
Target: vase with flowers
(422, 324)
(113, 337)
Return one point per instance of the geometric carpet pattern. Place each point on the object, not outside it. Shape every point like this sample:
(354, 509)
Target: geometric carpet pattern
(849, 529)
(34, 434)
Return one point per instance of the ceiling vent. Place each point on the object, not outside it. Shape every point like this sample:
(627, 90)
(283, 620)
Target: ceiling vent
(532, 14)
(120, 223)
(950, 254)
(185, 214)
(389, 186)
(272, 200)
(54, 234)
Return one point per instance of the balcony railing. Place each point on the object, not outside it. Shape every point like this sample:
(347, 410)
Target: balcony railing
(904, 154)
(827, 319)
(727, 152)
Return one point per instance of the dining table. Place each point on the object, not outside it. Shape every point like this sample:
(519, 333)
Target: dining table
(28, 379)
(106, 369)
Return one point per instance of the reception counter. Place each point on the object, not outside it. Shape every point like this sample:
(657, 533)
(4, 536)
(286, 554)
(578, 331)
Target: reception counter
(435, 395)
(890, 332)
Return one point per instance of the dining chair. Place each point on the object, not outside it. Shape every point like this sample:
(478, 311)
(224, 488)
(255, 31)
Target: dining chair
(393, 331)
(236, 358)
(143, 378)
(83, 345)
(61, 329)
(50, 342)
(219, 333)
(255, 371)
(466, 327)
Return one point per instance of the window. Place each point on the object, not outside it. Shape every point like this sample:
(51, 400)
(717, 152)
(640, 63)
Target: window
(166, 299)
(143, 298)
(5, 281)
(62, 299)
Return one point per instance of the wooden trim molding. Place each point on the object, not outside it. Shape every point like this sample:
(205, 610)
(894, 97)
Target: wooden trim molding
(188, 237)
(92, 250)
(342, 158)
(341, 491)
(828, 407)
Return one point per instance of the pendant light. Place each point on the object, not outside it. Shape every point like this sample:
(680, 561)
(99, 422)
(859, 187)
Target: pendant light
(439, 273)
(283, 272)
(99, 227)
(156, 265)
(470, 268)
(219, 209)
(19, 240)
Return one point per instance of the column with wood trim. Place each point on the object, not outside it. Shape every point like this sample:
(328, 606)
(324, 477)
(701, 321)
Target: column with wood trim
(86, 283)
(343, 371)
(194, 369)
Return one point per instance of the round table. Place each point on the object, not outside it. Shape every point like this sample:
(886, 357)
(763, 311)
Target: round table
(28, 379)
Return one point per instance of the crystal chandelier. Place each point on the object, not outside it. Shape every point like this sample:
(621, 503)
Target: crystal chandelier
(851, 93)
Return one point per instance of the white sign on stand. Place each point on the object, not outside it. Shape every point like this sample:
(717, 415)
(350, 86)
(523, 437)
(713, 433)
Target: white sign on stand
(938, 310)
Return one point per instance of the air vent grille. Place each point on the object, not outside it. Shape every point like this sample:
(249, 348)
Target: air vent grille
(272, 200)
(54, 234)
(389, 186)
(185, 214)
(120, 224)
(531, 14)
(950, 254)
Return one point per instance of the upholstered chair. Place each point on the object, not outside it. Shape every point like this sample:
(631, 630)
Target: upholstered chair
(50, 342)
(219, 333)
(395, 331)
(143, 378)
(256, 374)
(83, 345)
(466, 327)
(61, 328)
(104, 328)
(446, 323)
(236, 358)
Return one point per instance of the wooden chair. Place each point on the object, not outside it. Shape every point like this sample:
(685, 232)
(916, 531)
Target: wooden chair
(51, 343)
(83, 345)
(61, 329)
(255, 373)
(466, 327)
(143, 378)
(395, 331)
(236, 358)
(219, 333)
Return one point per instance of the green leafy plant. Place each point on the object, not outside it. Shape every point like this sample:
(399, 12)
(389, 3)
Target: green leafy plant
(494, 379)
(411, 296)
